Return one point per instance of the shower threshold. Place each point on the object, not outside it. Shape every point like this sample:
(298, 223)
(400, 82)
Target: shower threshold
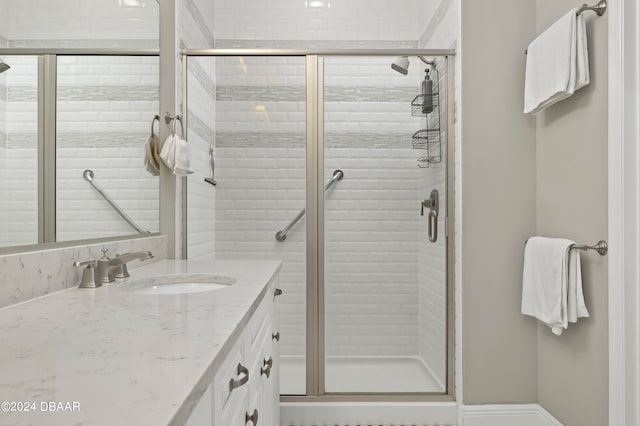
(362, 375)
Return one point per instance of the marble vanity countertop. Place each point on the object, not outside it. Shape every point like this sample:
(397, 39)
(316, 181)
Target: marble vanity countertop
(106, 357)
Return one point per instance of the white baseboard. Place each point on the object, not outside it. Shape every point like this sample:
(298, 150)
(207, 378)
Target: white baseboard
(368, 413)
(507, 415)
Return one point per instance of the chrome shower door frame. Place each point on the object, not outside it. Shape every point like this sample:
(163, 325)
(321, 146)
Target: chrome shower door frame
(315, 242)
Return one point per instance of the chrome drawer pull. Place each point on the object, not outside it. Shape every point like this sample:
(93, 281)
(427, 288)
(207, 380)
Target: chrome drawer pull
(251, 418)
(268, 362)
(236, 383)
(275, 336)
(278, 292)
(265, 371)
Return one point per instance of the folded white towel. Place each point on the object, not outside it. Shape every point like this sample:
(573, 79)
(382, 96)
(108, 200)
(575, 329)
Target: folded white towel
(552, 283)
(168, 152)
(151, 154)
(182, 165)
(557, 63)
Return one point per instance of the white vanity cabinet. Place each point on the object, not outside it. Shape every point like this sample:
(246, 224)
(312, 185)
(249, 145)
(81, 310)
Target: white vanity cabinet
(245, 388)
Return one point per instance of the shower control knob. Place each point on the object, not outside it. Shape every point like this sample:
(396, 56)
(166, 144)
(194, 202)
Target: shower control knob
(277, 292)
(275, 336)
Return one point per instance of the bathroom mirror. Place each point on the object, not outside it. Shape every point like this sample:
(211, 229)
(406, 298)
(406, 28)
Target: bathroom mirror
(73, 128)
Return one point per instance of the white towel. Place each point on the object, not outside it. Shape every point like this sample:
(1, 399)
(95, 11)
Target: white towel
(557, 63)
(168, 152)
(552, 283)
(182, 165)
(175, 154)
(151, 153)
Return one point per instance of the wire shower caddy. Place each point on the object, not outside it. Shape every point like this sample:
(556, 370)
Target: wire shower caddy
(428, 138)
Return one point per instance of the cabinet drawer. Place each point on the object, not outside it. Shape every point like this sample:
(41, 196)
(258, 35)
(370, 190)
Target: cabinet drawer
(256, 333)
(231, 369)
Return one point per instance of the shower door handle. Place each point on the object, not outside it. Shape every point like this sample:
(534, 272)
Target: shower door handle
(431, 203)
(433, 226)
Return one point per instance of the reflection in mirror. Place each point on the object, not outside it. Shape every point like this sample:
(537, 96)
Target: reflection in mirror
(79, 23)
(105, 110)
(18, 151)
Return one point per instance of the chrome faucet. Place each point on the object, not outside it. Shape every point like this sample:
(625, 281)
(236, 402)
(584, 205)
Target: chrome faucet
(105, 266)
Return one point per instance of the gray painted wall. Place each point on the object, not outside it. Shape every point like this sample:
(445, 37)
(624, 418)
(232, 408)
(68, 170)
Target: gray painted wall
(498, 202)
(572, 202)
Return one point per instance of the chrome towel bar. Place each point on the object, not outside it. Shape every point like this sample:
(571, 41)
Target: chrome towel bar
(599, 8)
(282, 234)
(601, 247)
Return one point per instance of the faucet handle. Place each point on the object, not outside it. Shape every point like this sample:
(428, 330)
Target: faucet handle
(91, 263)
(104, 254)
(120, 271)
(88, 274)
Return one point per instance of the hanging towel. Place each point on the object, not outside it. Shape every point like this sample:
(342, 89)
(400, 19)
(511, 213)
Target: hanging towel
(152, 154)
(168, 152)
(175, 155)
(552, 283)
(182, 166)
(557, 63)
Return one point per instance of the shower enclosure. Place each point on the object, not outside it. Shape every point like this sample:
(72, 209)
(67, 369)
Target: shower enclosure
(339, 166)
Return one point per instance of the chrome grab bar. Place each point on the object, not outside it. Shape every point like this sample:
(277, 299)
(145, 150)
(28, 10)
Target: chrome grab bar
(282, 234)
(88, 176)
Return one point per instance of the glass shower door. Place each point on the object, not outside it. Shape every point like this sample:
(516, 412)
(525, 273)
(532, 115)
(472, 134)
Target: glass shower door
(385, 267)
(248, 114)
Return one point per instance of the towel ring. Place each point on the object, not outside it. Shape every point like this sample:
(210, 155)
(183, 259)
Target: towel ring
(155, 118)
(178, 117)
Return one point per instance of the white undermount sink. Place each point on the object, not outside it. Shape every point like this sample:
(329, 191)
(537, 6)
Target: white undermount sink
(177, 284)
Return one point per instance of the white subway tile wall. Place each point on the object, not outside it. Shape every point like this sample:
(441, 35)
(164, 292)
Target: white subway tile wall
(349, 21)
(195, 31)
(80, 23)
(20, 167)
(104, 113)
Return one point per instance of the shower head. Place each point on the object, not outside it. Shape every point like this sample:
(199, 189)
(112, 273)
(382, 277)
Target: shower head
(3, 67)
(401, 64)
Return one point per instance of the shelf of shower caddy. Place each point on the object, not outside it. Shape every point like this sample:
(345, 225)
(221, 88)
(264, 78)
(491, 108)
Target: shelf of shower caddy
(426, 138)
(418, 102)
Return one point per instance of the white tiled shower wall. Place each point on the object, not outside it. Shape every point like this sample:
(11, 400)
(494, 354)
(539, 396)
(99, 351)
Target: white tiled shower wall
(195, 31)
(105, 110)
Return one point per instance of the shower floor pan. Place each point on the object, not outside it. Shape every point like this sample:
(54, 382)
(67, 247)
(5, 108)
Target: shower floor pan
(362, 375)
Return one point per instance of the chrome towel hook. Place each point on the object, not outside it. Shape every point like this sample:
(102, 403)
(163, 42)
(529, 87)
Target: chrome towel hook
(168, 118)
